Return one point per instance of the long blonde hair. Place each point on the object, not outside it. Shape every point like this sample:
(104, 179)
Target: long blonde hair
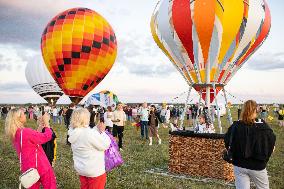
(12, 122)
(80, 118)
(249, 110)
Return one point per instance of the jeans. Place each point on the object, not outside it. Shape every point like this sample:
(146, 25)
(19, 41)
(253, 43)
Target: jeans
(144, 129)
(129, 117)
(54, 119)
(60, 119)
(243, 176)
(163, 118)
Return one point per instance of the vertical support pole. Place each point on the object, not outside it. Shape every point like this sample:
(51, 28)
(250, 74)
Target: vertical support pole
(185, 107)
(218, 111)
(197, 113)
(230, 119)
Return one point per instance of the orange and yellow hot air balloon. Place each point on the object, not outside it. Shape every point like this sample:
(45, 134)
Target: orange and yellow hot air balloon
(79, 48)
(208, 41)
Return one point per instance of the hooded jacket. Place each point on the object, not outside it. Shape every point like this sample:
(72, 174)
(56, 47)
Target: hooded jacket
(88, 146)
(252, 145)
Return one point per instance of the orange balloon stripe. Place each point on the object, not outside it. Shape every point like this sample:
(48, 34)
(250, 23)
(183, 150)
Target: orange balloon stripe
(183, 27)
(204, 24)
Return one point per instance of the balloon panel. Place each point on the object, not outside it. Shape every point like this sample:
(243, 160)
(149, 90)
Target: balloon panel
(209, 40)
(79, 48)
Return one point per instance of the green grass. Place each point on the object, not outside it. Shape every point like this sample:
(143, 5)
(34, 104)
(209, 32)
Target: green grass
(138, 157)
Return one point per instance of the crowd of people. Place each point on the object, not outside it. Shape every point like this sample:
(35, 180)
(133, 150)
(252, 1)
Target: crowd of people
(87, 130)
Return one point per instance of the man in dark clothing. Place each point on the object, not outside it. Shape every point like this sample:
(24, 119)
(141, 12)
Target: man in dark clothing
(50, 148)
(4, 112)
(68, 118)
(92, 116)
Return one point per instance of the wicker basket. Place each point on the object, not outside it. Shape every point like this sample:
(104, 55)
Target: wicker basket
(197, 154)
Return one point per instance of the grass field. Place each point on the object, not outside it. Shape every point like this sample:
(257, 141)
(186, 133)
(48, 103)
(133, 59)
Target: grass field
(138, 157)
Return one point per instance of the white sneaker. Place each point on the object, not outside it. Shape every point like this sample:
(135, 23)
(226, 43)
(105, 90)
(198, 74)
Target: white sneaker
(150, 144)
(160, 141)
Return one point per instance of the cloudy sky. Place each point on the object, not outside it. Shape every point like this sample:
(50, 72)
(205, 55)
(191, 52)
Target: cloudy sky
(141, 72)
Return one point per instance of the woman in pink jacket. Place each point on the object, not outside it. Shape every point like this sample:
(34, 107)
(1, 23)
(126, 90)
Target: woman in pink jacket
(31, 140)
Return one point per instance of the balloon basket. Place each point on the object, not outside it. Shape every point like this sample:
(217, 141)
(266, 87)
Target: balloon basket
(197, 154)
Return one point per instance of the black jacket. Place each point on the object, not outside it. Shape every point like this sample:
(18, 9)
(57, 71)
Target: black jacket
(252, 145)
(157, 118)
(68, 116)
(50, 147)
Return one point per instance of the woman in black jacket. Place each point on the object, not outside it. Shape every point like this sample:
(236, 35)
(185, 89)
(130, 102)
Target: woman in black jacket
(154, 117)
(252, 145)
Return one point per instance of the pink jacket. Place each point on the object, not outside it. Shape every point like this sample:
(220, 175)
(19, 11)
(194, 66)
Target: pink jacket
(31, 140)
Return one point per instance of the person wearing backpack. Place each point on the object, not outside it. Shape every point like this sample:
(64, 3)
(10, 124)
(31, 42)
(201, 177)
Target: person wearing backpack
(252, 144)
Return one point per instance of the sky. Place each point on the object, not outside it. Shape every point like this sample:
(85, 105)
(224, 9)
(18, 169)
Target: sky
(141, 71)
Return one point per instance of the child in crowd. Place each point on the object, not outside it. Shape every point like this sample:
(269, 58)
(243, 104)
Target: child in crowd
(50, 146)
(204, 127)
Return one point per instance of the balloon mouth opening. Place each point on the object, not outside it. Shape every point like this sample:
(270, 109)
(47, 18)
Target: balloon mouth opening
(51, 100)
(205, 85)
(201, 89)
(76, 99)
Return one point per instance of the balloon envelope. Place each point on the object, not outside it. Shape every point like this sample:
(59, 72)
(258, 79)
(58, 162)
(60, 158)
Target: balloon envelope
(79, 48)
(42, 83)
(208, 41)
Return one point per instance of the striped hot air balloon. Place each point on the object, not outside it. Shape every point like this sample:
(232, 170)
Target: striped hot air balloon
(208, 41)
(41, 82)
(79, 48)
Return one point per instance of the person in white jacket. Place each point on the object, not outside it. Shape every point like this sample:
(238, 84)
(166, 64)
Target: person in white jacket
(88, 146)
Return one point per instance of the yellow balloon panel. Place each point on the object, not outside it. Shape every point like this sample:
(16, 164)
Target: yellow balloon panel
(79, 48)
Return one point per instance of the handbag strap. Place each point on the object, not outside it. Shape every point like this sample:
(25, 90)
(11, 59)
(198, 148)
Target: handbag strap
(21, 141)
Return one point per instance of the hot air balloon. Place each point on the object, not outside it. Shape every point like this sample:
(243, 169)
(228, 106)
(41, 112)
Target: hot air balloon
(79, 48)
(208, 41)
(104, 98)
(42, 83)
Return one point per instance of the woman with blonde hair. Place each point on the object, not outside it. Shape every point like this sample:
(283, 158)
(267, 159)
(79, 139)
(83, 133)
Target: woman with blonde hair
(27, 143)
(252, 144)
(88, 146)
